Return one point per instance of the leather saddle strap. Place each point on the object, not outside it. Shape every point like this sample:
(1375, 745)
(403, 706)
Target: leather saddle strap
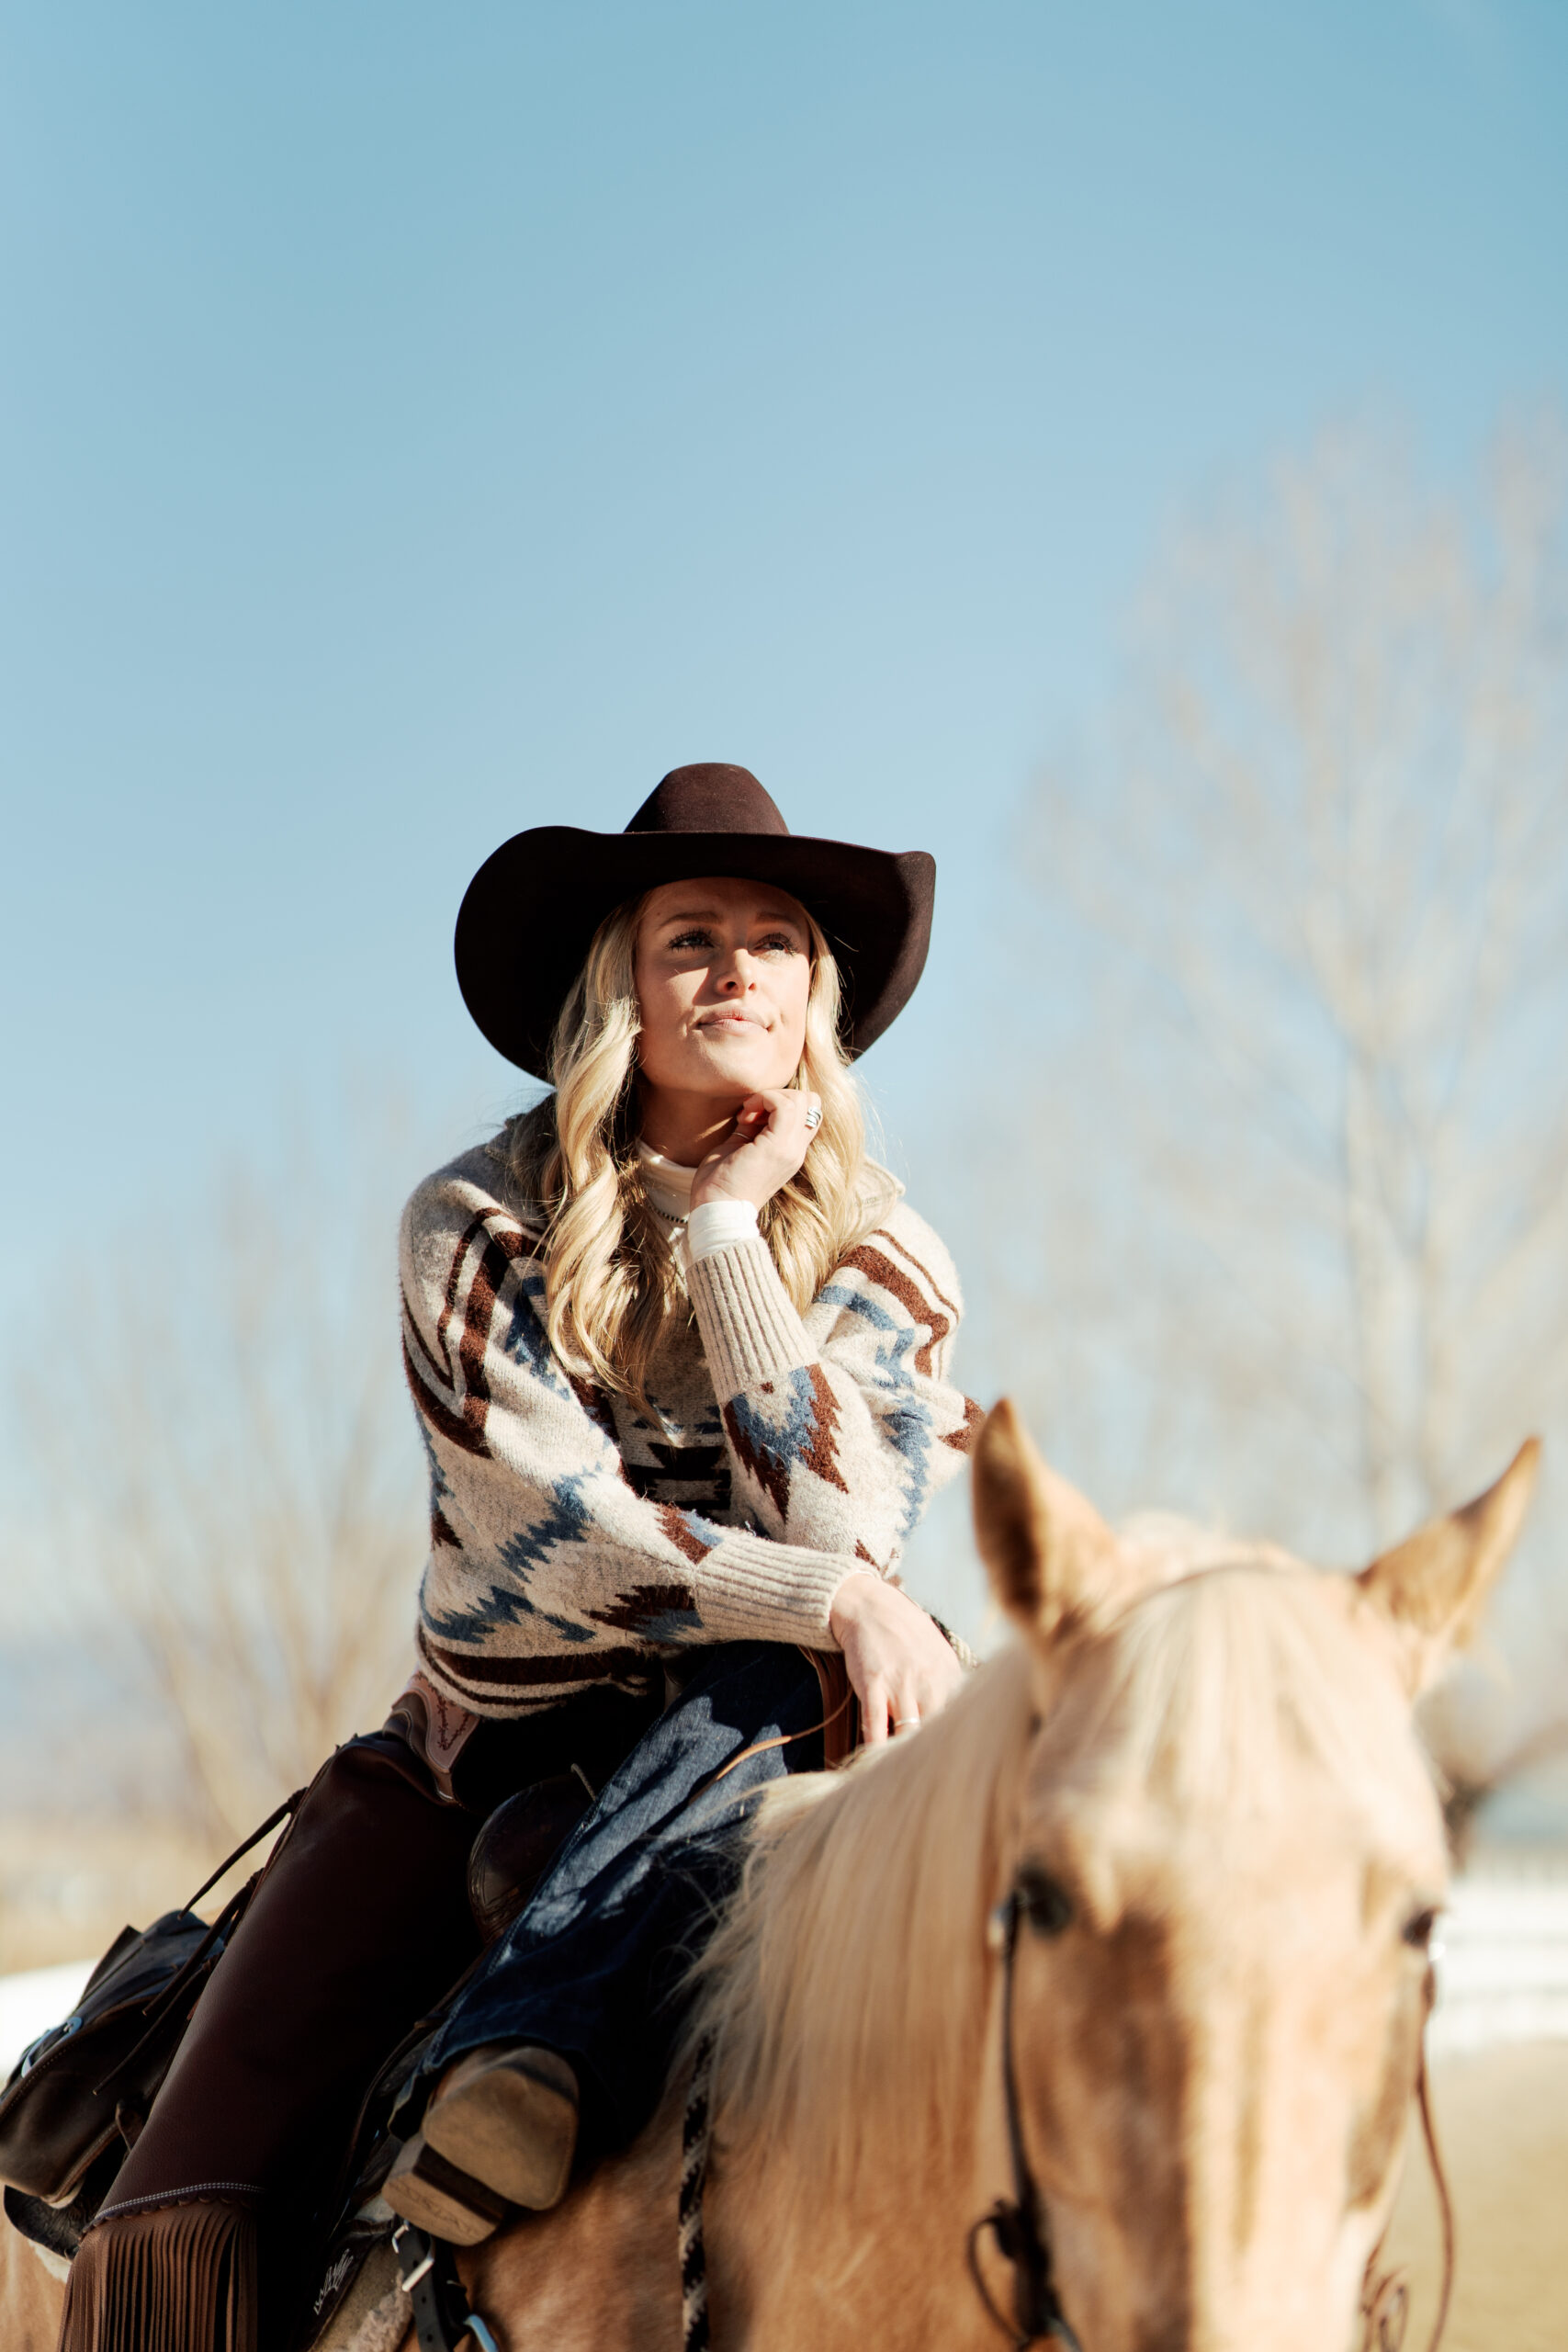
(290, 1805)
(841, 1708)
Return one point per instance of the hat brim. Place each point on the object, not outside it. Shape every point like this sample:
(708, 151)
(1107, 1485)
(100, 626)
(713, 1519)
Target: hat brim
(529, 915)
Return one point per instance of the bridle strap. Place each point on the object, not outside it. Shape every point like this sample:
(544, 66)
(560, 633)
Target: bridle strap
(1019, 2224)
(1385, 2298)
(1445, 2202)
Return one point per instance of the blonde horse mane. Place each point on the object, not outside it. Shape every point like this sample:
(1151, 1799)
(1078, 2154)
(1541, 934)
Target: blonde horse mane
(846, 1989)
(854, 1952)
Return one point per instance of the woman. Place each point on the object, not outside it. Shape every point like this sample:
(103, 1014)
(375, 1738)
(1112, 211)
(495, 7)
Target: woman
(678, 1352)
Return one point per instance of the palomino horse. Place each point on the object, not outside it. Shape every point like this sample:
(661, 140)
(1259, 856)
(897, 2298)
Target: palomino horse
(1198, 1772)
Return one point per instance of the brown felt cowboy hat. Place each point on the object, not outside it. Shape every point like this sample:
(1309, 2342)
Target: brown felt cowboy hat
(529, 915)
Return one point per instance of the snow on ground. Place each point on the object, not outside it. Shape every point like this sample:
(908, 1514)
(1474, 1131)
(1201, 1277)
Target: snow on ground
(32, 2002)
(1502, 1975)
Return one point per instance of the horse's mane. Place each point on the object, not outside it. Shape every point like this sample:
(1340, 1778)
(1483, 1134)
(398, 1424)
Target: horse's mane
(846, 1987)
(854, 1952)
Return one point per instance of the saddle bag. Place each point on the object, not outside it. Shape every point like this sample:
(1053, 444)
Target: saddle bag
(77, 2098)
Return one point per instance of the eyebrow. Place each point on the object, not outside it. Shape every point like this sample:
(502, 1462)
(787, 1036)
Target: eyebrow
(714, 914)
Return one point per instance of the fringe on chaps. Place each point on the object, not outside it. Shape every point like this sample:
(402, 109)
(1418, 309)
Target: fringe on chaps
(179, 2275)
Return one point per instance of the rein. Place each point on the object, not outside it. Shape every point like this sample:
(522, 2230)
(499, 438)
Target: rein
(1018, 2224)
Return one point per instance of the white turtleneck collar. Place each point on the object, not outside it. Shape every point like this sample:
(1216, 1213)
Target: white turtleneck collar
(666, 1182)
(715, 1226)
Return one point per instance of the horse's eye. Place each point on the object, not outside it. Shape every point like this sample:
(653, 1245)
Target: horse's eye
(1418, 1929)
(1047, 1905)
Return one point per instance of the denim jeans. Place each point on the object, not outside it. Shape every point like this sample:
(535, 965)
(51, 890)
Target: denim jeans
(595, 1965)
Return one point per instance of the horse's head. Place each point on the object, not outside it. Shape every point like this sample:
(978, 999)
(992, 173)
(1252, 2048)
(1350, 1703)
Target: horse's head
(1231, 1858)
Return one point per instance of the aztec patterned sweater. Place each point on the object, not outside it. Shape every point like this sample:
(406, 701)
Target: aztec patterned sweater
(574, 1539)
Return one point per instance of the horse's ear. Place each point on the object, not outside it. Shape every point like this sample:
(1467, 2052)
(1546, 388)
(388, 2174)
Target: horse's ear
(1050, 1553)
(1433, 1587)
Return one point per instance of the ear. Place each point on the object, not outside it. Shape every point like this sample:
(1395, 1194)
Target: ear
(1433, 1586)
(1051, 1555)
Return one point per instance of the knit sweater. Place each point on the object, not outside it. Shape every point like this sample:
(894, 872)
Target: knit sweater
(576, 1539)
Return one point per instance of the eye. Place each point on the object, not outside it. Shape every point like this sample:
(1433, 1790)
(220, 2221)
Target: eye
(1043, 1901)
(1419, 1928)
(693, 939)
(778, 943)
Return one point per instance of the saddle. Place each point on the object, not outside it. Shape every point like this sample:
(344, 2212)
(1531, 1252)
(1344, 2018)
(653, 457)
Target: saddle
(513, 1849)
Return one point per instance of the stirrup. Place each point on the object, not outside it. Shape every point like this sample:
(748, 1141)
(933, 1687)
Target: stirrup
(427, 2273)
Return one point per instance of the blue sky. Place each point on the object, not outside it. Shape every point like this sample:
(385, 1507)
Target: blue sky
(417, 423)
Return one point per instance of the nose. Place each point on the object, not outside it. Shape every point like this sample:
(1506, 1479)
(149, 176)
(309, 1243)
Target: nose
(732, 974)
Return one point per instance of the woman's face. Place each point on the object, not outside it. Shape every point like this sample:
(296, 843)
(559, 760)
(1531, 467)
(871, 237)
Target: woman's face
(723, 973)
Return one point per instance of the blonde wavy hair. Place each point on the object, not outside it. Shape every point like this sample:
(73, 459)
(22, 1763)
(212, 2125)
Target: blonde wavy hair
(610, 1283)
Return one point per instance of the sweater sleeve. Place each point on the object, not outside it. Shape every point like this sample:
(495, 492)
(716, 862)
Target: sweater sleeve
(546, 1568)
(842, 1423)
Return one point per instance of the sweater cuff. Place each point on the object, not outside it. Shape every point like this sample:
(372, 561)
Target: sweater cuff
(756, 1591)
(715, 1225)
(750, 1331)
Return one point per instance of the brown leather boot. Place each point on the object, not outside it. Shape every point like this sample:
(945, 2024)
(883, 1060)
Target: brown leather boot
(500, 2130)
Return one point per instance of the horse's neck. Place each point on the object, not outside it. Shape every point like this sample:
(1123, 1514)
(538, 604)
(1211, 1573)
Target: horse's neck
(817, 2273)
(602, 2273)
(799, 2262)
(837, 2217)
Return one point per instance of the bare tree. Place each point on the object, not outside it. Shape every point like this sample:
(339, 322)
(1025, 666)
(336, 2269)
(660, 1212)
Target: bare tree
(1317, 863)
(233, 1509)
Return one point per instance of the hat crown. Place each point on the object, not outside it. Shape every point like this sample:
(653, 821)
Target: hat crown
(708, 798)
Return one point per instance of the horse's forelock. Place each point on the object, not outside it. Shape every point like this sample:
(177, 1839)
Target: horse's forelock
(1236, 1687)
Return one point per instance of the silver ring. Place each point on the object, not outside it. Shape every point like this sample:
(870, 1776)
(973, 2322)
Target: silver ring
(813, 1120)
(903, 1722)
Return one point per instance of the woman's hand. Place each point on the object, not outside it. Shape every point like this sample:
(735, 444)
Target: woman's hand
(764, 1149)
(901, 1668)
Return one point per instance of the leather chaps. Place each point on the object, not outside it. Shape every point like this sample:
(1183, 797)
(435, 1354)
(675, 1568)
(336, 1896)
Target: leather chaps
(360, 1926)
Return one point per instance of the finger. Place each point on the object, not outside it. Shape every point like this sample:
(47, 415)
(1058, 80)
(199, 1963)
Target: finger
(782, 1106)
(904, 1704)
(930, 1696)
(873, 1711)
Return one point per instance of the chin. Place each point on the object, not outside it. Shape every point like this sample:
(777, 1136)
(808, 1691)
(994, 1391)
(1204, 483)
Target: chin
(735, 1063)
